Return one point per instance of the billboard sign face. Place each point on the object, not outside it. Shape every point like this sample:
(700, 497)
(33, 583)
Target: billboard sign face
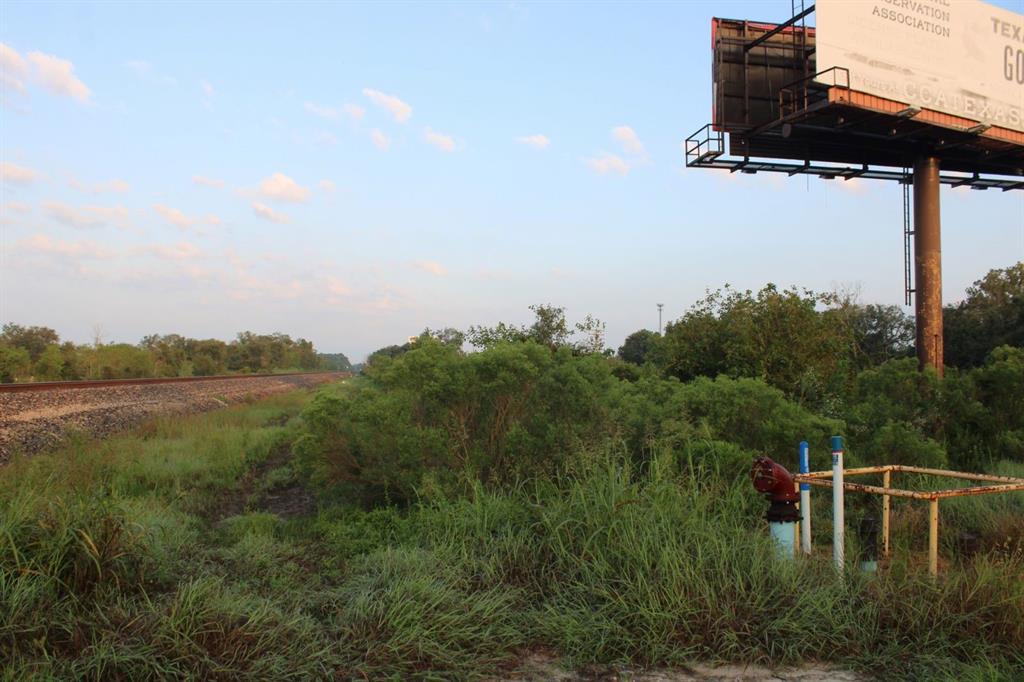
(960, 57)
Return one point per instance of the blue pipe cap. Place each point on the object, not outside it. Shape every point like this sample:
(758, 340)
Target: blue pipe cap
(837, 443)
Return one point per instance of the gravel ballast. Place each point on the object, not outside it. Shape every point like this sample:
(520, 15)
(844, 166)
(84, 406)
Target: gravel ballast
(32, 421)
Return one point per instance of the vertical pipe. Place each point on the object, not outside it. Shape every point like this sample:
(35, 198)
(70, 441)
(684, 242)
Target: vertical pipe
(928, 264)
(805, 499)
(868, 532)
(838, 515)
(886, 504)
(933, 536)
(783, 535)
(796, 526)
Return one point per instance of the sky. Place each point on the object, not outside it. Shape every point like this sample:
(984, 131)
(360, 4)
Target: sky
(353, 173)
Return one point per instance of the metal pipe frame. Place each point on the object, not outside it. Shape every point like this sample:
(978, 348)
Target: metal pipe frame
(1005, 484)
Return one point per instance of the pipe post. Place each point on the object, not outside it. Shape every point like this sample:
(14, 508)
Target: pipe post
(805, 499)
(838, 512)
(933, 536)
(928, 264)
(886, 506)
(868, 532)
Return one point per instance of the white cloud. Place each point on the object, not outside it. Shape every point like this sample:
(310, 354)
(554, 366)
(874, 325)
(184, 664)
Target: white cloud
(207, 88)
(212, 219)
(282, 188)
(42, 243)
(627, 137)
(115, 186)
(321, 111)
(207, 182)
(174, 216)
(264, 211)
(13, 69)
(380, 140)
(337, 287)
(432, 267)
(57, 75)
(535, 141)
(12, 172)
(399, 109)
(609, 163)
(327, 186)
(354, 111)
(179, 251)
(443, 142)
(16, 207)
(87, 216)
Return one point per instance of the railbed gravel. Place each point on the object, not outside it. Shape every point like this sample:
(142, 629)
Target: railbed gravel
(33, 421)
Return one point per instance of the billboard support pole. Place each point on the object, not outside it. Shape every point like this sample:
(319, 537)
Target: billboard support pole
(928, 264)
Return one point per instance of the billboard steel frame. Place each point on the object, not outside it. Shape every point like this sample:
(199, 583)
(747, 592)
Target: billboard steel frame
(814, 124)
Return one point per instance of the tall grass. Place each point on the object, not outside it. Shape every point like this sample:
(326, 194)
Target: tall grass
(119, 560)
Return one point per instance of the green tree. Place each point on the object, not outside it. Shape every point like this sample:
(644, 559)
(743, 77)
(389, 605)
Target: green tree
(33, 339)
(170, 354)
(776, 335)
(14, 363)
(638, 345)
(209, 357)
(549, 328)
(337, 362)
(880, 333)
(991, 315)
(50, 365)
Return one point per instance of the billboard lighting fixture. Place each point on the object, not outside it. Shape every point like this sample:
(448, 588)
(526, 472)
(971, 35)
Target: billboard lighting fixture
(978, 129)
(748, 171)
(909, 112)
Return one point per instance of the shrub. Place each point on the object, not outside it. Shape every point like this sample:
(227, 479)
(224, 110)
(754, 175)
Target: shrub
(434, 417)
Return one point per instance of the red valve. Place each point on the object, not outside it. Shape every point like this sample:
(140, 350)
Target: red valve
(777, 484)
(773, 480)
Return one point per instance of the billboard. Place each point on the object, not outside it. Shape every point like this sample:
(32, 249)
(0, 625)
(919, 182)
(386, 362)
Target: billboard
(959, 57)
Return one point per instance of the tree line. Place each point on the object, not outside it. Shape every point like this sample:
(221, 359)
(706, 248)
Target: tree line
(813, 345)
(32, 353)
(740, 372)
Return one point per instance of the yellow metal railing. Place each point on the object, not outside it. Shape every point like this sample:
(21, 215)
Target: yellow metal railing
(998, 484)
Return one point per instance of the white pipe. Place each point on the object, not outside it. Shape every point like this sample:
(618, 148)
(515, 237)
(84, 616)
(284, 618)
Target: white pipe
(805, 500)
(838, 520)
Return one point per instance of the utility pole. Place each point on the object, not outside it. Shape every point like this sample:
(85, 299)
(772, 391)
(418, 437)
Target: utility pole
(928, 264)
(660, 306)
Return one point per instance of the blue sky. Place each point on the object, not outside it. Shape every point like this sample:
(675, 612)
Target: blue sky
(353, 173)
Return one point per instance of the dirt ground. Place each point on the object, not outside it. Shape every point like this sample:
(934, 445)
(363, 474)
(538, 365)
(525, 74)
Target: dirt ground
(542, 667)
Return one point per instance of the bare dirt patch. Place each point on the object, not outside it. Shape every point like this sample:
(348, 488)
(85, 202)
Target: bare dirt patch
(288, 500)
(538, 667)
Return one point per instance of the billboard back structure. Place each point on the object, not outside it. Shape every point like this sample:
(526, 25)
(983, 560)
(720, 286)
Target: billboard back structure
(856, 90)
(923, 92)
(959, 57)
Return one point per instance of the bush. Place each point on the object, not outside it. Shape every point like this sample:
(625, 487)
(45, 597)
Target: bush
(755, 416)
(434, 418)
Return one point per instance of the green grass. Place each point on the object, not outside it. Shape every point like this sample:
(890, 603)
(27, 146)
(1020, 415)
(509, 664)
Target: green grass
(149, 556)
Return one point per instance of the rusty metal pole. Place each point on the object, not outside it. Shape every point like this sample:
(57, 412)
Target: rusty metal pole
(928, 264)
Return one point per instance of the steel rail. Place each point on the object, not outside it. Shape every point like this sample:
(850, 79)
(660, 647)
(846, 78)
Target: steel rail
(112, 383)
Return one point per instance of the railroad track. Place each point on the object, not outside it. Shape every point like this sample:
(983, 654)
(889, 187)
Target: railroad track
(114, 383)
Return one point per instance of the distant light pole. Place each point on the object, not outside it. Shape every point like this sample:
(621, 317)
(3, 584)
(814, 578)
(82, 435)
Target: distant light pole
(660, 306)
